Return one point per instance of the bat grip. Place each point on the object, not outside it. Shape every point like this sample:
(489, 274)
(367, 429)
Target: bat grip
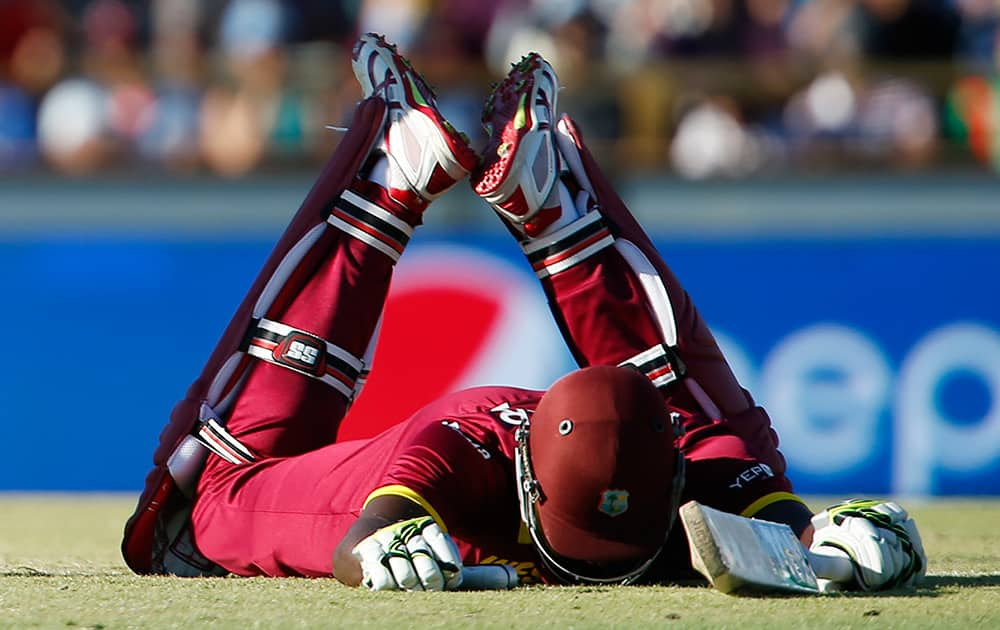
(832, 564)
(489, 577)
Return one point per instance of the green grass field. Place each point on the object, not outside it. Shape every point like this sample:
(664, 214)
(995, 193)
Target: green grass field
(60, 568)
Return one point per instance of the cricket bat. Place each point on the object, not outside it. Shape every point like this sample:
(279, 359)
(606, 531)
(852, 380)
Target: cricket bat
(745, 556)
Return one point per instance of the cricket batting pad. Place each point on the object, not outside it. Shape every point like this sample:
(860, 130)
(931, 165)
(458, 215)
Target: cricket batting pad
(297, 252)
(709, 377)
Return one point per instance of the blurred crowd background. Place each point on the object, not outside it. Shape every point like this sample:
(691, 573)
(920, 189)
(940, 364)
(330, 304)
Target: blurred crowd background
(701, 88)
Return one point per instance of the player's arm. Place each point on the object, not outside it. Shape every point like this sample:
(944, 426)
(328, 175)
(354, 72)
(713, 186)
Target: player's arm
(441, 475)
(726, 472)
(795, 514)
(380, 512)
(879, 539)
(398, 547)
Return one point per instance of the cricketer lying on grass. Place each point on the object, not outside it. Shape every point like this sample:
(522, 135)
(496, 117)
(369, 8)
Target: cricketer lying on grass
(578, 484)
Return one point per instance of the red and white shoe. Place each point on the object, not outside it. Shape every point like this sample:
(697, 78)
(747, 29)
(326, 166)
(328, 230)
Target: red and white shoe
(426, 154)
(521, 163)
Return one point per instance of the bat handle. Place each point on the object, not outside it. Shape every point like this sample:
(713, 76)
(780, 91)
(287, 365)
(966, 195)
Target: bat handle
(832, 564)
(489, 577)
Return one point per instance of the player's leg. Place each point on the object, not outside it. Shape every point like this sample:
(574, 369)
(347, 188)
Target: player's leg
(614, 298)
(289, 363)
(363, 231)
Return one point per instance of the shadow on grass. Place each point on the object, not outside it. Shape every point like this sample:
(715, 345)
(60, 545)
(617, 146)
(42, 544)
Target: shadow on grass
(945, 581)
(934, 586)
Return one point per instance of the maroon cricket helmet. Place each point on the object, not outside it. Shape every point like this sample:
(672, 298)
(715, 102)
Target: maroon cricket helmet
(600, 475)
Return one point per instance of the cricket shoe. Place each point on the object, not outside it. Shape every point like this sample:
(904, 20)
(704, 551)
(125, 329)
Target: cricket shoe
(426, 154)
(520, 164)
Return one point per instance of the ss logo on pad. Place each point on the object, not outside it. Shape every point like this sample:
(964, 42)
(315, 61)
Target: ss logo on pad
(303, 353)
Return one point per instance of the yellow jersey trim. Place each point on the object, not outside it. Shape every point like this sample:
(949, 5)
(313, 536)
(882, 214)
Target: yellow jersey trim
(769, 499)
(402, 491)
(523, 535)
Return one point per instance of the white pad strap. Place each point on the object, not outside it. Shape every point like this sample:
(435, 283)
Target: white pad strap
(371, 224)
(305, 353)
(661, 364)
(569, 245)
(186, 462)
(214, 436)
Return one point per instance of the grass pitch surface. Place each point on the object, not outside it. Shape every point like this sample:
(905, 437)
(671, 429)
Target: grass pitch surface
(60, 568)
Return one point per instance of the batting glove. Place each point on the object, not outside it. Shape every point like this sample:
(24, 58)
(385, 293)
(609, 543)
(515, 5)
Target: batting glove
(411, 555)
(881, 540)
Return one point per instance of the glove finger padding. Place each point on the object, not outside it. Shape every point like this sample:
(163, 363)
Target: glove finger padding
(917, 555)
(426, 568)
(398, 556)
(906, 529)
(376, 575)
(447, 555)
(880, 538)
(411, 555)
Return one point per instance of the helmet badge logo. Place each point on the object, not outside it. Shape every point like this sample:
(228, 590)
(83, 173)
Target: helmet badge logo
(614, 502)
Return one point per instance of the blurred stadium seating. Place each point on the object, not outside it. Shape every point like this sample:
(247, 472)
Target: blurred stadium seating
(702, 88)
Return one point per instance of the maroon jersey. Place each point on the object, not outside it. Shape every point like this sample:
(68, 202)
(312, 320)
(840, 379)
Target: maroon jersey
(455, 458)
